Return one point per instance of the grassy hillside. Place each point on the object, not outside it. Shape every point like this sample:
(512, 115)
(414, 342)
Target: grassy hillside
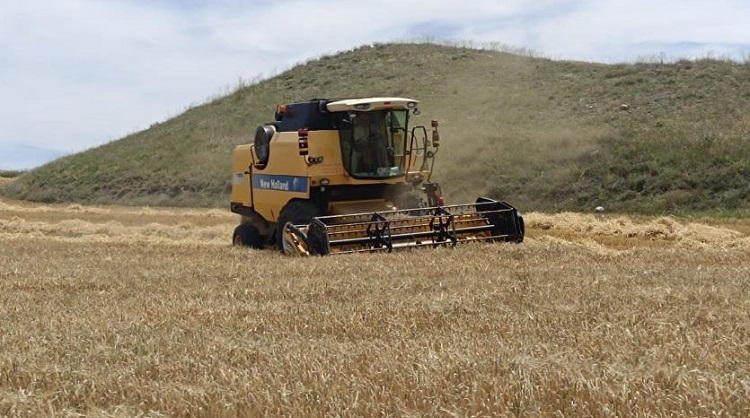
(542, 134)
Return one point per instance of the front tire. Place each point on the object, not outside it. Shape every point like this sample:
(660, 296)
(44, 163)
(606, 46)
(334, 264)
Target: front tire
(298, 212)
(246, 235)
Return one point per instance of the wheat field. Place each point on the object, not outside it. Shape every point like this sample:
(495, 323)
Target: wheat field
(137, 311)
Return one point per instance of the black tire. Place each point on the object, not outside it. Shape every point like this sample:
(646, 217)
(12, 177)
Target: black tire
(247, 235)
(298, 212)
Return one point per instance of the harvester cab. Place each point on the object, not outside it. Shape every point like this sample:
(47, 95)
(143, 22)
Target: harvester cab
(338, 176)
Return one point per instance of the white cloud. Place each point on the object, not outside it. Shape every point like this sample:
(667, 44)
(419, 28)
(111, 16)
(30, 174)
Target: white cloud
(77, 73)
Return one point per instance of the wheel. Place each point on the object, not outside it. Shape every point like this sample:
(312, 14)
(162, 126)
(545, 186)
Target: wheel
(247, 235)
(298, 212)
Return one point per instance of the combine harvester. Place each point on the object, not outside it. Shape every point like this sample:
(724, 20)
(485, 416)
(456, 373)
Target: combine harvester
(343, 176)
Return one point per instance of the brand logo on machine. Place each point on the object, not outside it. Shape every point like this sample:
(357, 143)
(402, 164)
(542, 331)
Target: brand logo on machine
(280, 183)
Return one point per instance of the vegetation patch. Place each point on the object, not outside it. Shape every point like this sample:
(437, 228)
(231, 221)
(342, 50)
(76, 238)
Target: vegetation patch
(9, 174)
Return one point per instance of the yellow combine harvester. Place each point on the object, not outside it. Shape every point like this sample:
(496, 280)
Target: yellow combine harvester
(338, 176)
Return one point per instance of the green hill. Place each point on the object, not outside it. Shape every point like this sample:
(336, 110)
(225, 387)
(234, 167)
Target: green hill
(542, 134)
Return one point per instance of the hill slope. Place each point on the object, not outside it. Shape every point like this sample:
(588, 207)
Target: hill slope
(541, 134)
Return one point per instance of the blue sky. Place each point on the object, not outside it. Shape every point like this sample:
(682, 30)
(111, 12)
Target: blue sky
(78, 73)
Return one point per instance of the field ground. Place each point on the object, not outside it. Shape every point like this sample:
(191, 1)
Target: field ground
(136, 311)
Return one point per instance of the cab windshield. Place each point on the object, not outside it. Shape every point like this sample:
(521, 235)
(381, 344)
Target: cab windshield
(373, 143)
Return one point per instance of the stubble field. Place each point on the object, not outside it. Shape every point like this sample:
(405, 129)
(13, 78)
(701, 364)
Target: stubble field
(127, 311)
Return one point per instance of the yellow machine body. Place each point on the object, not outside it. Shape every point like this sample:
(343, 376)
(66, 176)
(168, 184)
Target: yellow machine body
(287, 175)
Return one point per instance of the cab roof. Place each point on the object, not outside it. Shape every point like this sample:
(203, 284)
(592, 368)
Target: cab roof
(320, 114)
(371, 103)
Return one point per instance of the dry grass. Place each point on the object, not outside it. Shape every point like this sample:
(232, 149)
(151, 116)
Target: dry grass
(110, 311)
